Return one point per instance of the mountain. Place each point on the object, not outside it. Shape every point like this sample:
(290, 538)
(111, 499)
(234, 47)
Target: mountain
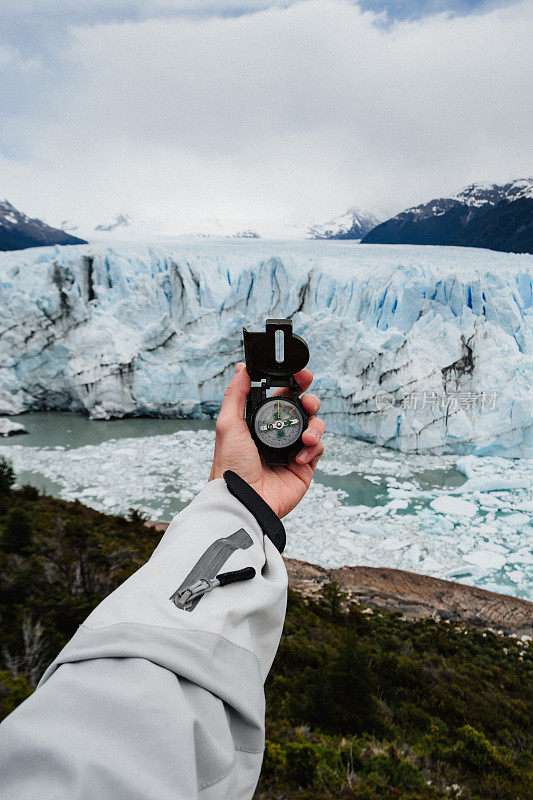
(498, 217)
(354, 224)
(18, 231)
(122, 227)
(120, 221)
(420, 351)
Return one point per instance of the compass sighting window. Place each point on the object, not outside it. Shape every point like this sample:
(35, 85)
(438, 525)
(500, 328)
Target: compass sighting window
(279, 342)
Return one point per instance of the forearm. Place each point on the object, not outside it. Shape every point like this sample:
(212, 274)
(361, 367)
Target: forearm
(175, 694)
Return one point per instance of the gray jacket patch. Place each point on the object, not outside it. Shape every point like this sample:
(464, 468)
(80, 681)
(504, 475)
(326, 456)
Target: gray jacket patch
(210, 562)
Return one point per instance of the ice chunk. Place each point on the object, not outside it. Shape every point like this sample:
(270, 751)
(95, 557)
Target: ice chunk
(10, 428)
(445, 504)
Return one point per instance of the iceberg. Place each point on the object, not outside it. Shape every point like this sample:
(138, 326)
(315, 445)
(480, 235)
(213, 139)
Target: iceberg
(454, 507)
(10, 428)
(422, 349)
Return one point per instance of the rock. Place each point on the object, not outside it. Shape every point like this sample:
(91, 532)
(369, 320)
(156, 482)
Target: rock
(417, 596)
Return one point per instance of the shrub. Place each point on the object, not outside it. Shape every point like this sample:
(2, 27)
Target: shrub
(274, 760)
(340, 691)
(302, 759)
(474, 749)
(29, 493)
(12, 692)
(333, 598)
(17, 532)
(138, 518)
(7, 476)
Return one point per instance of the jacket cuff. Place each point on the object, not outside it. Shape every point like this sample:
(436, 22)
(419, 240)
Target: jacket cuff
(267, 519)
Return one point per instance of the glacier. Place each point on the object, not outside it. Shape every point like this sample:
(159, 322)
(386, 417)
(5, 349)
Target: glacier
(422, 349)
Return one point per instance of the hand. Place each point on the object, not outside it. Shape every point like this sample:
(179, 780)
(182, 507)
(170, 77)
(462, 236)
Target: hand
(281, 487)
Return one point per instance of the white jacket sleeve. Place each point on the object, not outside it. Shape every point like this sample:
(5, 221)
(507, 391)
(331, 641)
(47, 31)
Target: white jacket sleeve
(153, 701)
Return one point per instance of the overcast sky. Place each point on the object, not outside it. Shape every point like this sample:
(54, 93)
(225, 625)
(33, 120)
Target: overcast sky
(177, 111)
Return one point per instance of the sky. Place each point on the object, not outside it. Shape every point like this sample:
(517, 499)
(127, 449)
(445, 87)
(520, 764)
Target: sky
(179, 112)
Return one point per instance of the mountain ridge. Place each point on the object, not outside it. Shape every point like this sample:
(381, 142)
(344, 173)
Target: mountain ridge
(18, 231)
(493, 216)
(353, 224)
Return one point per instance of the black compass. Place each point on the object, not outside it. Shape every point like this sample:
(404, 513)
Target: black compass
(277, 422)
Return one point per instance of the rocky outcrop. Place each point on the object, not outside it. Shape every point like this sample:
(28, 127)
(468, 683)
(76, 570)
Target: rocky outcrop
(417, 596)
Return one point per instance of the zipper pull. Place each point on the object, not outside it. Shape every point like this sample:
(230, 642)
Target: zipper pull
(245, 574)
(184, 598)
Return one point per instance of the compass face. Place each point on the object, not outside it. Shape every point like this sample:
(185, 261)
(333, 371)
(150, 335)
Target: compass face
(278, 422)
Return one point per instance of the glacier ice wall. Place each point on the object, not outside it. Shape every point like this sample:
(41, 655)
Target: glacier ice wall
(424, 349)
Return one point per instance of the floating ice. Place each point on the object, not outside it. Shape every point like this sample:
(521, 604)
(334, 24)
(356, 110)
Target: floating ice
(452, 505)
(10, 428)
(343, 518)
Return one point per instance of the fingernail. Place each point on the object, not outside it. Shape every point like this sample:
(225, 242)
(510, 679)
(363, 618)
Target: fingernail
(313, 435)
(239, 366)
(303, 455)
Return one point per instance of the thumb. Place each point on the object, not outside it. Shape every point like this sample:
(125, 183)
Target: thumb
(235, 395)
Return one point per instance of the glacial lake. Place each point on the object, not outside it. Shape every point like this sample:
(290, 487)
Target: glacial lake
(461, 518)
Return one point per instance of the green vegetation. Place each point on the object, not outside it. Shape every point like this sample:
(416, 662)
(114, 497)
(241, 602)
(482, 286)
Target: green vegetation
(366, 706)
(57, 561)
(360, 706)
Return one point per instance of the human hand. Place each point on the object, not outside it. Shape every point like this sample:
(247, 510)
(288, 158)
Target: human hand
(281, 487)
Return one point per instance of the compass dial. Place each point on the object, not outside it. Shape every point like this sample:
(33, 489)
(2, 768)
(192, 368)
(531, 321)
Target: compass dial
(278, 422)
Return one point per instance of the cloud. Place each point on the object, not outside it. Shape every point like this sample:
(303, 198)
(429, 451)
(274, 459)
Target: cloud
(296, 109)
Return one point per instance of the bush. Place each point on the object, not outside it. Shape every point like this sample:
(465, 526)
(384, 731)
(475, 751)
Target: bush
(474, 749)
(7, 476)
(29, 493)
(333, 598)
(274, 759)
(302, 759)
(340, 691)
(138, 518)
(12, 692)
(17, 532)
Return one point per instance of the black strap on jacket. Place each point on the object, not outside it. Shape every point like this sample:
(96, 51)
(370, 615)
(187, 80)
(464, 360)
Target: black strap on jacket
(268, 520)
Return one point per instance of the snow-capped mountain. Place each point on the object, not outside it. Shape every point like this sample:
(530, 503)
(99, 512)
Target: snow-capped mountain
(18, 231)
(421, 349)
(120, 221)
(123, 227)
(354, 224)
(499, 217)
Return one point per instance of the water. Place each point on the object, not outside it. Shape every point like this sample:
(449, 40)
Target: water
(366, 505)
(53, 428)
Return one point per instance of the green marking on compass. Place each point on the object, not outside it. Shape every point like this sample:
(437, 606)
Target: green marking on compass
(281, 433)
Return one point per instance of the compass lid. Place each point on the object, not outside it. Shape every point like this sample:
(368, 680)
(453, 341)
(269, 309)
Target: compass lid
(276, 352)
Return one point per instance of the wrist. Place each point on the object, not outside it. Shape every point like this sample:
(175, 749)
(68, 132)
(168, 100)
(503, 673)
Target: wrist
(265, 515)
